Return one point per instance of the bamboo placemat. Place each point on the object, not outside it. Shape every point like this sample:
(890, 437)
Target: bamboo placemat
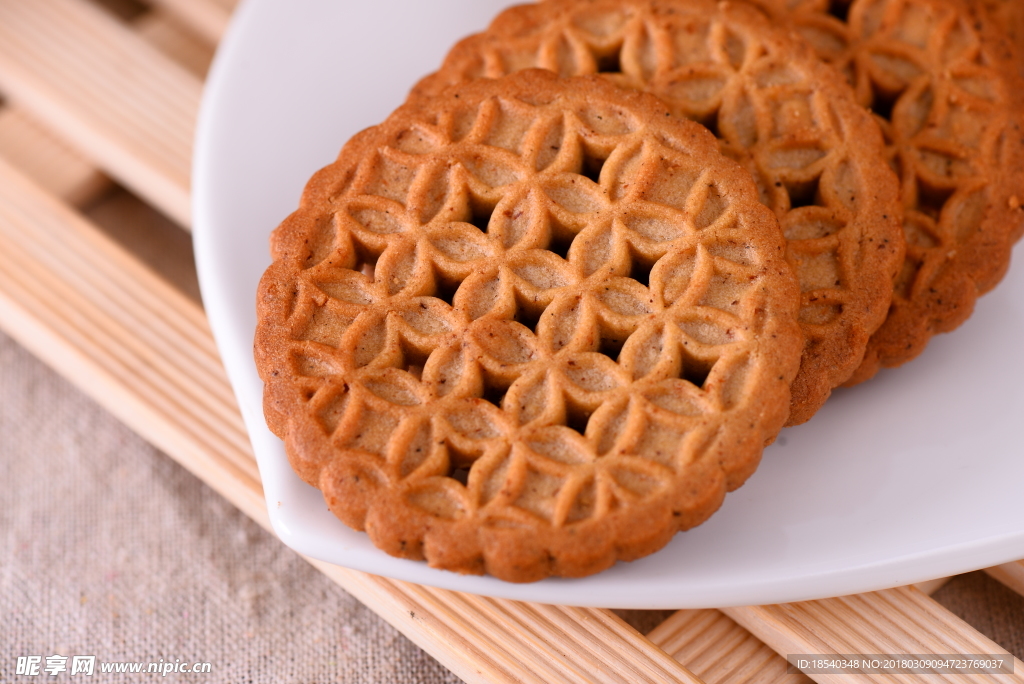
(73, 118)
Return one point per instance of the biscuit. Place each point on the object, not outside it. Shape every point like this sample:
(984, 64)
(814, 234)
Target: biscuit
(1006, 19)
(815, 154)
(948, 104)
(528, 328)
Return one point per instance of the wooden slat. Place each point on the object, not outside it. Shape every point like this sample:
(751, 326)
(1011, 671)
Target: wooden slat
(208, 18)
(493, 640)
(719, 651)
(52, 163)
(1010, 574)
(121, 101)
(144, 351)
(47, 159)
(931, 586)
(176, 41)
(894, 621)
(138, 330)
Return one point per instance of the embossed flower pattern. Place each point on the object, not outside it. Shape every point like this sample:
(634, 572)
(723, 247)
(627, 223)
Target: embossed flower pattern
(562, 303)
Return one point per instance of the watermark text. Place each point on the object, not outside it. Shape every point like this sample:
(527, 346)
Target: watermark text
(904, 663)
(88, 665)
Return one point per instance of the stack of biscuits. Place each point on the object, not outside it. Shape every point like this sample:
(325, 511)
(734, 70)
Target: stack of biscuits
(553, 308)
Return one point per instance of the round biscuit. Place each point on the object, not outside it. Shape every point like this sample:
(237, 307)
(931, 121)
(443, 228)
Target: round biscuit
(528, 328)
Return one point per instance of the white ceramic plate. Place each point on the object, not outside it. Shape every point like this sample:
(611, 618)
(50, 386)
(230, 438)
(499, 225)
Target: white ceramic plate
(912, 476)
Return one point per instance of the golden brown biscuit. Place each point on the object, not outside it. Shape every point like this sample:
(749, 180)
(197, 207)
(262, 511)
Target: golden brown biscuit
(816, 156)
(1007, 19)
(948, 103)
(529, 328)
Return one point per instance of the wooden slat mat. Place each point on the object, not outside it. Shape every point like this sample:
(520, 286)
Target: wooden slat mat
(73, 118)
